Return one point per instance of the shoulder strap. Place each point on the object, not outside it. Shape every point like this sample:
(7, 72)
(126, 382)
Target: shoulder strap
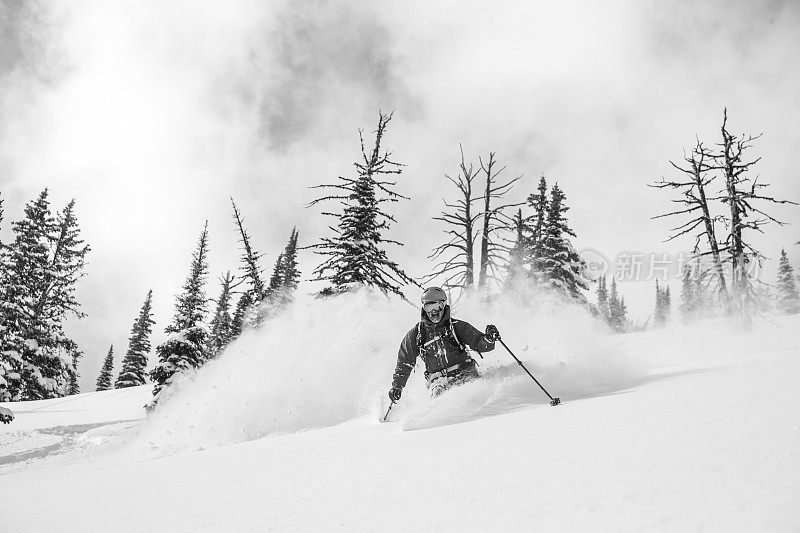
(455, 337)
(420, 341)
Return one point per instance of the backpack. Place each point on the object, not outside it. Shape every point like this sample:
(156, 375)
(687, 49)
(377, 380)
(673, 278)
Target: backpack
(451, 330)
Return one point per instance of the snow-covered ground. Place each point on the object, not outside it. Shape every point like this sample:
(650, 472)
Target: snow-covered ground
(679, 429)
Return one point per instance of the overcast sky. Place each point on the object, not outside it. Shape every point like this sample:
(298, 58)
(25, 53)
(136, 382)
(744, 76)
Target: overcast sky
(152, 114)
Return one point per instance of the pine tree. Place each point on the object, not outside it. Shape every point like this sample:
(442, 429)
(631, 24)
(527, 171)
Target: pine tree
(667, 303)
(276, 280)
(659, 318)
(74, 387)
(285, 276)
(603, 308)
(104, 379)
(663, 304)
(688, 304)
(240, 314)
(559, 266)
(222, 323)
(536, 225)
(355, 254)
(6, 366)
(25, 267)
(618, 318)
(515, 270)
(251, 315)
(788, 298)
(291, 272)
(39, 271)
(185, 348)
(622, 315)
(191, 304)
(134, 364)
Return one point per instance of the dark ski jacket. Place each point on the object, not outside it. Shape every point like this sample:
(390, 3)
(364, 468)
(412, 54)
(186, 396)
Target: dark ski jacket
(435, 344)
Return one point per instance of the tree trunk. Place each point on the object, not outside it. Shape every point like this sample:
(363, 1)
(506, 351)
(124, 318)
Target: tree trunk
(486, 219)
(712, 237)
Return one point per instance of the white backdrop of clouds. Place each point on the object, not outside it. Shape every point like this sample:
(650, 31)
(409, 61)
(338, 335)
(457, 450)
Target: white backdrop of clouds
(151, 115)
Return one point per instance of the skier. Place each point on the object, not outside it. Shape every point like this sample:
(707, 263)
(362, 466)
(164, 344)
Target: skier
(440, 341)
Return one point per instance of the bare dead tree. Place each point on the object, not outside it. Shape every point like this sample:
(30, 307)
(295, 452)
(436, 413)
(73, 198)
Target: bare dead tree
(694, 202)
(739, 194)
(495, 222)
(456, 256)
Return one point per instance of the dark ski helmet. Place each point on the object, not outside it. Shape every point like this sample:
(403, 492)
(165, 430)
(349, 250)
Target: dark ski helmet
(434, 294)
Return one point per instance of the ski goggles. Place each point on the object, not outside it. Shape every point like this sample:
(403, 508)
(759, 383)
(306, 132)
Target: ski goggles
(433, 306)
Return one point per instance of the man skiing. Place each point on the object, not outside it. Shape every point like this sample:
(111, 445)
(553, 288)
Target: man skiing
(440, 341)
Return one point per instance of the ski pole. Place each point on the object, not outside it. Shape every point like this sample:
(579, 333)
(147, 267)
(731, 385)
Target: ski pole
(387, 411)
(553, 401)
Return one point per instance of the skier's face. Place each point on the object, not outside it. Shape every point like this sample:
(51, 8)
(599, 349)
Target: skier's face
(434, 310)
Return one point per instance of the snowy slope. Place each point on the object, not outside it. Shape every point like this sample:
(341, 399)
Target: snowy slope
(694, 436)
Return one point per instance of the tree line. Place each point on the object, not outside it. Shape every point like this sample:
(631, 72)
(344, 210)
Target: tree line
(477, 256)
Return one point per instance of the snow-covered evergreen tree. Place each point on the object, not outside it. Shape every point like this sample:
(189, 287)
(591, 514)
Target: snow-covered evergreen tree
(74, 387)
(38, 273)
(663, 304)
(134, 364)
(240, 314)
(515, 270)
(667, 303)
(6, 366)
(603, 310)
(559, 266)
(222, 323)
(285, 276)
(276, 279)
(291, 271)
(622, 315)
(104, 379)
(251, 314)
(788, 298)
(185, 348)
(617, 310)
(251, 259)
(536, 225)
(355, 254)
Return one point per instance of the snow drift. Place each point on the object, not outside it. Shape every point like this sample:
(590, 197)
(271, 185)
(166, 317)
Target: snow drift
(328, 361)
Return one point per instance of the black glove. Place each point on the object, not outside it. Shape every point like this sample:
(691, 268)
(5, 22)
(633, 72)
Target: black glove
(491, 332)
(394, 393)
